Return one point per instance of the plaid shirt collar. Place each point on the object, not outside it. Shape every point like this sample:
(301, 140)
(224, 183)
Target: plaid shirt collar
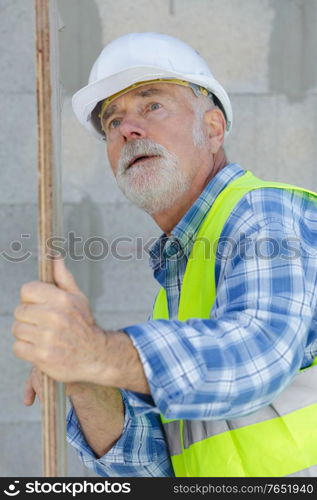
(184, 232)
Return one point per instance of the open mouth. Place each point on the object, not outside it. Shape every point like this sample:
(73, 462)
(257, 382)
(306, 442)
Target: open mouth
(140, 159)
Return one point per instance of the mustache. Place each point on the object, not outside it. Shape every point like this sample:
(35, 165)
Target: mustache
(140, 147)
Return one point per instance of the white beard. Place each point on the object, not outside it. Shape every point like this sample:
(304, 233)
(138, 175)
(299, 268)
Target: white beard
(154, 184)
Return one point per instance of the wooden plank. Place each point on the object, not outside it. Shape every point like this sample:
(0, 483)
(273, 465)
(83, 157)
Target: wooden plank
(49, 213)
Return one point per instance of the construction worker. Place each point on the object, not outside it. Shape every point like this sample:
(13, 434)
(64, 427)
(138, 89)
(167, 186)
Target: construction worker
(221, 381)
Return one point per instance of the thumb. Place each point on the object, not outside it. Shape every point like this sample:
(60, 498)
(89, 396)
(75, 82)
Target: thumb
(64, 278)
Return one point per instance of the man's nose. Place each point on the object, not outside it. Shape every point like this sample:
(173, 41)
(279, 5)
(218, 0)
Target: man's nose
(132, 128)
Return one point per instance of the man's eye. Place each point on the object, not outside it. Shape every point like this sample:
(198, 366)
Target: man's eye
(114, 123)
(155, 106)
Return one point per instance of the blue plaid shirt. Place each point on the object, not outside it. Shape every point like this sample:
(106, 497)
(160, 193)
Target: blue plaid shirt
(262, 326)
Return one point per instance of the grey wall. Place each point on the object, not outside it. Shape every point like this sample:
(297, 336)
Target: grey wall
(263, 52)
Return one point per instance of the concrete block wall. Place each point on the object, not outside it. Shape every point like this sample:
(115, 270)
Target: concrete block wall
(263, 52)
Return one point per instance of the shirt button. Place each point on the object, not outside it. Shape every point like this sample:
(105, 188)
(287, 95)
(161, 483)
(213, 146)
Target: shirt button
(173, 248)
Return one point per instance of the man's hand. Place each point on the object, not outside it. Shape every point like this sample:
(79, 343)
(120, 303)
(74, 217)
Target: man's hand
(55, 330)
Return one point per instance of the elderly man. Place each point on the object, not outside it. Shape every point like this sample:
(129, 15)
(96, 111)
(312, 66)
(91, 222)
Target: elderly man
(221, 380)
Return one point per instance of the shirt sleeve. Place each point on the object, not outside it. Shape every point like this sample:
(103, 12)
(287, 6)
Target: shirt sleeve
(141, 451)
(250, 348)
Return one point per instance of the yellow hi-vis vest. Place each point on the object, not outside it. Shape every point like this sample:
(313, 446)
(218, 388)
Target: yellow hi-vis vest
(278, 440)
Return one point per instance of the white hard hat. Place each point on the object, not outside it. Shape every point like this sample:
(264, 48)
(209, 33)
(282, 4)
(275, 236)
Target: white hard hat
(141, 57)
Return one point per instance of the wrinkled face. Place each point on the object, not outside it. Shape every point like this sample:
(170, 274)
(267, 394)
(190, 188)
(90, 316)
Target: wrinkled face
(155, 145)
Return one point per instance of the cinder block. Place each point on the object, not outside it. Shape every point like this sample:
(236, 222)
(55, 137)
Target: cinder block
(293, 32)
(21, 449)
(128, 286)
(116, 285)
(18, 55)
(275, 138)
(117, 320)
(239, 145)
(109, 221)
(297, 139)
(18, 173)
(80, 41)
(19, 229)
(14, 275)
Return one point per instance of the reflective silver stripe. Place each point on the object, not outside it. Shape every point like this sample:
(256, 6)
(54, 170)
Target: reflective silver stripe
(309, 472)
(172, 432)
(300, 393)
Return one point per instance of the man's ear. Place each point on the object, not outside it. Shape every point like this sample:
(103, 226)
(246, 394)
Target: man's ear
(215, 125)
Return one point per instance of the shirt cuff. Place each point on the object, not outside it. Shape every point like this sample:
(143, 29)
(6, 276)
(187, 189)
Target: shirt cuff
(139, 403)
(122, 452)
(157, 362)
